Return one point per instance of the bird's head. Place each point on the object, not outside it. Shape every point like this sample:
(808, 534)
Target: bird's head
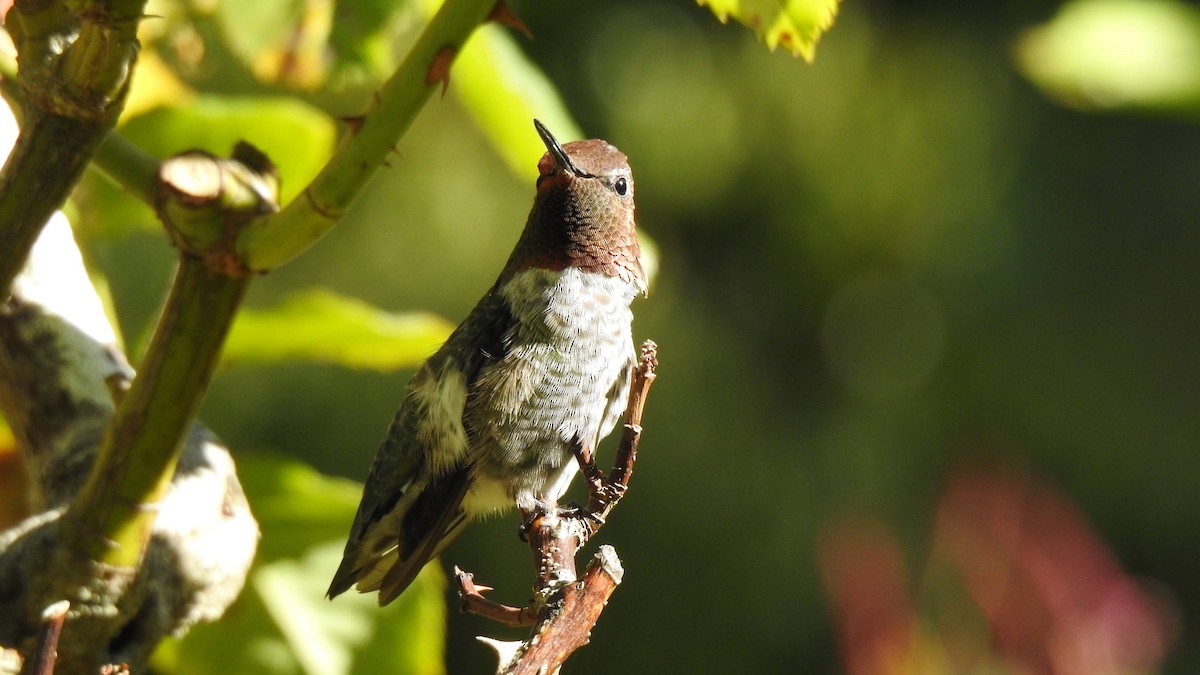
(583, 213)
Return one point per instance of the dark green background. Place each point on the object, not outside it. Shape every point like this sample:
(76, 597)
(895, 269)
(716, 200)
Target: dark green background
(897, 261)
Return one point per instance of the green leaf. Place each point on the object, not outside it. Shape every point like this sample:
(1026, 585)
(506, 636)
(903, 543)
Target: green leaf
(251, 28)
(295, 505)
(282, 623)
(504, 91)
(352, 633)
(319, 325)
(795, 25)
(1111, 54)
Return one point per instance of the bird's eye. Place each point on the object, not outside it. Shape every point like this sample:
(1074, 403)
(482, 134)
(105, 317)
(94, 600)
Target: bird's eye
(621, 186)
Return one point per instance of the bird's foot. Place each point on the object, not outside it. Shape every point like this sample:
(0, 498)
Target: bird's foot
(579, 512)
(587, 464)
(530, 514)
(604, 490)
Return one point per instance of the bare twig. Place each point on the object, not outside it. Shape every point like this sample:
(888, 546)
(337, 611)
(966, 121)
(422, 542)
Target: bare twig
(569, 624)
(474, 602)
(564, 608)
(44, 657)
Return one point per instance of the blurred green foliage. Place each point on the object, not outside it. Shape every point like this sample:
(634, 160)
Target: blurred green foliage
(282, 623)
(875, 269)
(1118, 54)
(324, 327)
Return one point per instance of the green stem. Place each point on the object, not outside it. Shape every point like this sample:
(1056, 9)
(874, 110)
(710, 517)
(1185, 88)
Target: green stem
(272, 241)
(110, 517)
(130, 167)
(50, 155)
(75, 64)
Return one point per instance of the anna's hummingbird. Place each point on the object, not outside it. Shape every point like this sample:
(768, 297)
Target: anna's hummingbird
(541, 363)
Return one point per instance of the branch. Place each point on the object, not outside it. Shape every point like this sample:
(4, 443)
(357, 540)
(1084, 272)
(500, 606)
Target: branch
(53, 618)
(569, 623)
(202, 201)
(96, 550)
(75, 62)
(59, 370)
(125, 164)
(564, 610)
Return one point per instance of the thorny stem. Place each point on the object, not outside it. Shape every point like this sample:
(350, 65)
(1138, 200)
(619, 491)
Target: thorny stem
(472, 601)
(568, 625)
(273, 240)
(124, 163)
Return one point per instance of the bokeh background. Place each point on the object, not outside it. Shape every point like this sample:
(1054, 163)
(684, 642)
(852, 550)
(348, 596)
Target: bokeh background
(927, 319)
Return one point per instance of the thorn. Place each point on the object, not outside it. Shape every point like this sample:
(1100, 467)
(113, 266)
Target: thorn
(466, 583)
(503, 15)
(439, 70)
(506, 651)
(355, 122)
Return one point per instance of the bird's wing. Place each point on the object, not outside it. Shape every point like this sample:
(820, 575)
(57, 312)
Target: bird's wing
(398, 474)
(412, 502)
(433, 521)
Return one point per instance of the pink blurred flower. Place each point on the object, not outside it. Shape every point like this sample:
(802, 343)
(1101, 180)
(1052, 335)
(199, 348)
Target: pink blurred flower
(1052, 597)
(863, 568)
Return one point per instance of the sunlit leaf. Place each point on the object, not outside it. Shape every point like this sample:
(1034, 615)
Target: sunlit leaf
(251, 27)
(319, 325)
(795, 25)
(504, 91)
(282, 623)
(295, 525)
(349, 634)
(1117, 53)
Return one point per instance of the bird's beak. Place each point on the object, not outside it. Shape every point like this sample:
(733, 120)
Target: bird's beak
(561, 160)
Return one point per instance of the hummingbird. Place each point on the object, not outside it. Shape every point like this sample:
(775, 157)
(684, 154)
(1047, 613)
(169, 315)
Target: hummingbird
(542, 363)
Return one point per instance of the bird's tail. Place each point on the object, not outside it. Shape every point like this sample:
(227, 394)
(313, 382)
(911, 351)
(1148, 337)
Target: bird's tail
(428, 523)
